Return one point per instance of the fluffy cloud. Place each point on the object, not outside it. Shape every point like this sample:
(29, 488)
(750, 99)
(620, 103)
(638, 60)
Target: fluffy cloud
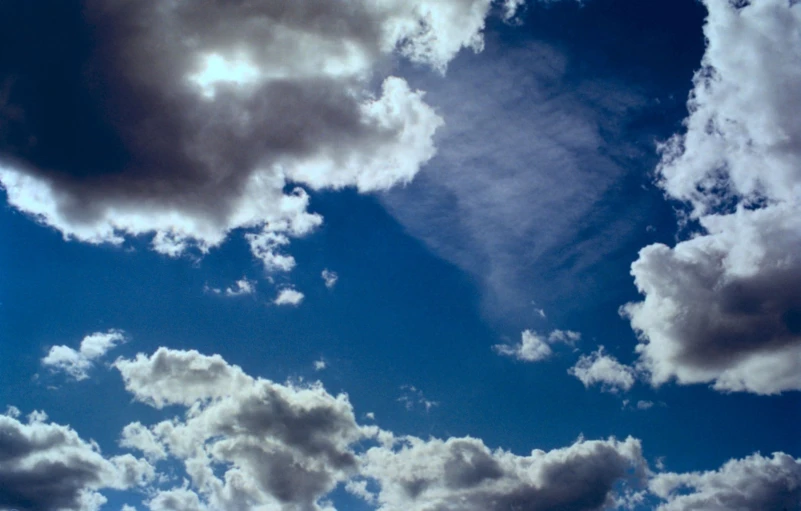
(534, 347)
(77, 363)
(600, 368)
(187, 120)
(754, 483)
(48, 467)
(249, 443)
(288, 296)
(245, 442)
(463, 474)
(725, 306)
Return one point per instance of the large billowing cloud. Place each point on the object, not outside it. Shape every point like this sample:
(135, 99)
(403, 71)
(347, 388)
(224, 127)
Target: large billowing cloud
(755, 483)
(48, 467)
(186, 120)
(249, 443)
(725, 306)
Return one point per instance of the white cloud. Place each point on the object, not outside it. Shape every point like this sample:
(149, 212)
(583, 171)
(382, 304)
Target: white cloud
(77, 363)
(599, 368)
(319, 365)
(463, 474)
(289, 296)
(330, 278)
(644, 405)
(725, 306)
(241, 287)
(210, 110)
(48, 467)
(245, 442)
(754, 483)
(534, 347)
(413, 397)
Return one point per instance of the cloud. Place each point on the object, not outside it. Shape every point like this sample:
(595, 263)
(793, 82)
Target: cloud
(521, 172)
(754, 483)
(245, 442)
(725, 306)
(288, 296)
(248, 443)
(533, 347)
(48, 467)
(412, 397)
(644, 405)
(330, 278)
(599, 368)
(241, 287)
(463, 474)
(186, 121)
(77, 363)
(319, 365)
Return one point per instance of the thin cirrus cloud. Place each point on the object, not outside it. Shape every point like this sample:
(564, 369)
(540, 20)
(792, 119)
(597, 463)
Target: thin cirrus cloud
(185, 121)
(725, 306)
(248, 442)
(77, 363)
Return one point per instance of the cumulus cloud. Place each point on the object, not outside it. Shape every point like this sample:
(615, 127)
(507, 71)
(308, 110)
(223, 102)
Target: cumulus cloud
(241, 287)
(754, 483)
(77, 363)
(463, 474)
(725, 306)
(534, 347)
(48, 467)
(603, 369)
(330, 278)
(186, 120)
(250, 443)
(245, 442)
(288, 296)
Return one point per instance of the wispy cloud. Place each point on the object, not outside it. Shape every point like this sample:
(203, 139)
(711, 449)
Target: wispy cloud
(77, 363)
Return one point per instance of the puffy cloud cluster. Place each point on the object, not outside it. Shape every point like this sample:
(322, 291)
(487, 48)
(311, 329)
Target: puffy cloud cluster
(186, 120)
(725, 306)
(754, 483)
(603, 369)
(246, 443)
(48, 467)
(77, 363)
(534, 347)
(289, 296)
(463, 474)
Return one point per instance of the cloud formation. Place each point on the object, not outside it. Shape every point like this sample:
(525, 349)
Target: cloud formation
(186, 120)
(754, 483)
(77, 363)
(463, 474)
(725, 306)
(600, 368)
(48, 467)
(534, 347)
(247, 442)
(288, 296)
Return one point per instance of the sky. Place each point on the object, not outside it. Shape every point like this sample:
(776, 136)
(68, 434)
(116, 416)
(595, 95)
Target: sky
(400, 255)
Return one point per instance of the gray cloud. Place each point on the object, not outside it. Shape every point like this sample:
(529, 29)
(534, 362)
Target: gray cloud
(48, 467)
(187, 120)
(463, 474)
(725, 306)
(754, 483)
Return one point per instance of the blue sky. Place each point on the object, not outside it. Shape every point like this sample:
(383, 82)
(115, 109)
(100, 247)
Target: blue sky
(486, 191)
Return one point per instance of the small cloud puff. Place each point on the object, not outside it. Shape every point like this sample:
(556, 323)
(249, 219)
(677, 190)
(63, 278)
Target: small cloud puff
(76, 363)
(534, 347)
(330, 278)
(599, 368)
(289, 296)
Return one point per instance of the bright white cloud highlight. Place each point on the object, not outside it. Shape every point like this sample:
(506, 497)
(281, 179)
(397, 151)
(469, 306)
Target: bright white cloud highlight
(330, 278)
(534, 347)
(77, 363)
(600, 368)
